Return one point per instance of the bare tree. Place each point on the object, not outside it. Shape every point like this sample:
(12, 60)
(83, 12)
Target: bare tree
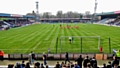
(46, 15)
(87, 14)
(59, 14)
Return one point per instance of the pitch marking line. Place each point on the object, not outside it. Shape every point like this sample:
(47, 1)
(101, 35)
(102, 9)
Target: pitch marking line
(36, 45)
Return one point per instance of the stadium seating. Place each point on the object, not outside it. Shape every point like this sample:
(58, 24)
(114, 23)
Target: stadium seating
(106, 21)
(102, 21)
(110, 21)
(12, 23)
(116, 22)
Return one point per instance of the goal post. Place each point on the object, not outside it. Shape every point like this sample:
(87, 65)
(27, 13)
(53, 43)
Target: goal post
(79, 41)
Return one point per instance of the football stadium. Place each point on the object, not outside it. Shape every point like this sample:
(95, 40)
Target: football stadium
(53, 36)
(43, 41)
(23, 35)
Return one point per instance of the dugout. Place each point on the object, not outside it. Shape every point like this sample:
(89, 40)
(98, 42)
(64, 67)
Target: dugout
(103, 15)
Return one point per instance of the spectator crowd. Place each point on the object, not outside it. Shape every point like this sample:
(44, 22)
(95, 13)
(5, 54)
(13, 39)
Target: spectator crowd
(80, 62)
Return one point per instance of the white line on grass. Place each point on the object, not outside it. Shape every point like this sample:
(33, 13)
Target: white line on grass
(41, 36)
(36, 45)
(30, 37)
(53, 40)
(11, 37)
(104, 36)
(49, 35)
(82, 33)
(91, 32)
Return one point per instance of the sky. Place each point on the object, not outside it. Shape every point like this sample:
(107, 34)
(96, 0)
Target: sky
(80, 6)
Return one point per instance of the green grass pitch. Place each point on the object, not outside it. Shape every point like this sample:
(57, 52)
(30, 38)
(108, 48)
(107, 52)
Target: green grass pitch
(40, 37)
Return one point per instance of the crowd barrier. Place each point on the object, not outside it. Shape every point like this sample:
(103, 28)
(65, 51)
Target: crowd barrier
(58, 56)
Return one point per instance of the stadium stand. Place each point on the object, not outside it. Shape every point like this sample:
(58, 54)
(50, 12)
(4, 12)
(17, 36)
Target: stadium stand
(116, 21)
(109, 18)
(64, 20)
(102, 21)
(4, 25)
(106, 21)
(14, 20)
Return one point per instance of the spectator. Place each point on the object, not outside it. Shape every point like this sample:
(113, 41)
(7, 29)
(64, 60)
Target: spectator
(42, 66)
(104, 65)
(79, 61)
(27, 65)
(115, 66)
(18, 65)
(115, 62)
(86, 61)
(109, 65)
(93, 61)
(72, 65)
(30, 58)
(95, 65)
(68, 66)
(89, 65)
(47, 66)
(57, 65)
(23, 65)
(77, 66)
(33, 57)
(37, 65)
(1, 55)
(118, 54)
(44, 58)
(62, 64)
(67, 57)
(10, 66)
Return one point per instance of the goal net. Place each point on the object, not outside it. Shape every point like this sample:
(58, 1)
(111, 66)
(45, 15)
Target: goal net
(79, 44)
